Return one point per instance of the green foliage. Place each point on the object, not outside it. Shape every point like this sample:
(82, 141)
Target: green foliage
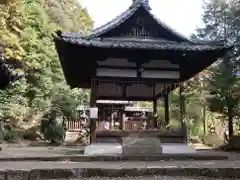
(10, 136)
(223, 87)
(26, 28)
(233, 144)
(52, 131)
(221, 19)
(31, 134)
(65, 101)
(212, 140)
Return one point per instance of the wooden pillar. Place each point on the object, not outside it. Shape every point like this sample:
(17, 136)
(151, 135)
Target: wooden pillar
(182, 113)
(155, 112)
(166, 108)
(93, 103)
(121, 120)
(101, 119)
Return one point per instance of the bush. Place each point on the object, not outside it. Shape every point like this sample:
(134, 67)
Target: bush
(235, 142)
(11, 136)
(194, 139)
(232, 145)
(81, 140)
(31, 134)
(52, 131)
(212, 140)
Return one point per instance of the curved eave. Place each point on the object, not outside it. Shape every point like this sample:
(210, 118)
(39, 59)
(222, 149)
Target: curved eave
(67, 49)
(122, 18)
(141, 45)
(61, 52)
(117, 21)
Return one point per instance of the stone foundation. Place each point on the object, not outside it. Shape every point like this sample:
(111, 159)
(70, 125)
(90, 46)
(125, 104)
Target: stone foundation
(141, 146)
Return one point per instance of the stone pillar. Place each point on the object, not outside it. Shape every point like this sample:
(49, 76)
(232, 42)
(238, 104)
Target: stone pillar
(101, 119)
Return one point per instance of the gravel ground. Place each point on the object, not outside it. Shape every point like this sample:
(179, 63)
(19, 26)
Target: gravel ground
(27, 165)
(39, 151)
(157, 178)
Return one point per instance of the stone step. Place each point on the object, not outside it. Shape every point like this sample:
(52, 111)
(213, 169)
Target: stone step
(177, 148)
(115, 158)
(81, 170)
(71, 136)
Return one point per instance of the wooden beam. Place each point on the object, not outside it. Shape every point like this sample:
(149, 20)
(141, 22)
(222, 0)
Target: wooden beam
(135, 68)
(167, 90)
(130, 80)
(129, 98)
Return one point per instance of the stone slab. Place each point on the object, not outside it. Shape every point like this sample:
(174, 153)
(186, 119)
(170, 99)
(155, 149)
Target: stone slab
(103, 149)
(48, 170)
(177, 149)
(141, 146)
(116, 158)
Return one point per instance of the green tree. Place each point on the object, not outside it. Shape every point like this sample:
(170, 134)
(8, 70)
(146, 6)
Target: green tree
(26, 28)
(221, 23)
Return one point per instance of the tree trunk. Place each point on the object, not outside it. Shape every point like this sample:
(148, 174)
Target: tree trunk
(204, 120)
(230, 121)
(1, 129)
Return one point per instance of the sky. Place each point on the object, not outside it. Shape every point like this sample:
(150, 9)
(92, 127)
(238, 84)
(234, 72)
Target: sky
(182, 15)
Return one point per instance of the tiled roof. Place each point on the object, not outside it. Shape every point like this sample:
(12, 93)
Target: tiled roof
(94, 39)
(120, 19)
(144, 43)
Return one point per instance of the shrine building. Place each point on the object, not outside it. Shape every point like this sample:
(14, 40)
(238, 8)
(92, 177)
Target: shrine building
(134, 57)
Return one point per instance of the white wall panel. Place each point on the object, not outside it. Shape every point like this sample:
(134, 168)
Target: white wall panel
(161, 74)
(116, 72)
(116, 62)
(160, 64)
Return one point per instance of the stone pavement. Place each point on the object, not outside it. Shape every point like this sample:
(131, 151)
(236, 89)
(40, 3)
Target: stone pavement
(50, 170)
(61, 168)
(58, 151)
(28, 165)
(75, 154)
(33, 154)
(39, 151)
(158, 178)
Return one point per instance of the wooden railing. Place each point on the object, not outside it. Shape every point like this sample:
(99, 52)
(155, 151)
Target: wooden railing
(74, 125)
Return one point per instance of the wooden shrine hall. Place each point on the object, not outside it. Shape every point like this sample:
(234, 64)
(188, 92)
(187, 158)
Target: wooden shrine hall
(118, 115)
(134, 57)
